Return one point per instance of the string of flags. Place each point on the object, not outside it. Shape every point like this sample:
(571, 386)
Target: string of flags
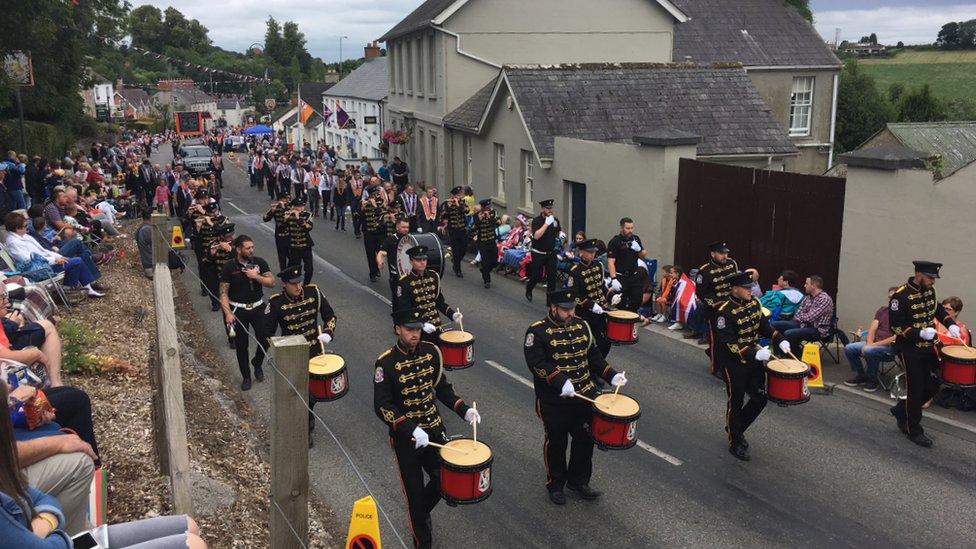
(235, 77)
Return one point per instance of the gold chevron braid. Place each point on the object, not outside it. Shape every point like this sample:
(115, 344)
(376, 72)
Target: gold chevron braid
(570, 341)
(423, 372)
(406, 391)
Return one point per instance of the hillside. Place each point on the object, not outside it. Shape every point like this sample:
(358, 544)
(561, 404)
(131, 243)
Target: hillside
(950, 74)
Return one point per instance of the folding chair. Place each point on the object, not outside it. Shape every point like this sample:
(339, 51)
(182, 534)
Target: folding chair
(45, 278)
(890, 378)
(835, 336)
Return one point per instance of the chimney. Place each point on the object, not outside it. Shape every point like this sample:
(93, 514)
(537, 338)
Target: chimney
(372, 51)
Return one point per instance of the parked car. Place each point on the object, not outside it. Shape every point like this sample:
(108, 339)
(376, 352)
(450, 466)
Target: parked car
(196, 159)
(235, 143)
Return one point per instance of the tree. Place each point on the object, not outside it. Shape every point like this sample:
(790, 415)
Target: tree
(895, 91)
(948, 38)
(861, 109)
(873, 39)
(921, 106)
(900, 44)
(273, 44)
(802, 6)
(147, 28)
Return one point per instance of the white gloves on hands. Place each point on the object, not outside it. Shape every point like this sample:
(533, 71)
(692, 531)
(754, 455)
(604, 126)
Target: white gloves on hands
(615, 285)
(619, 380)
(616, 299)
(597, 309)
(420, 437)
(784, 346)
(928, 334)
(429, 328)
(635, 246)
(763, 354)
(472, 416)
(456, 317)
(325, 338)
(550, 220)
(568, 390)
(954, 331)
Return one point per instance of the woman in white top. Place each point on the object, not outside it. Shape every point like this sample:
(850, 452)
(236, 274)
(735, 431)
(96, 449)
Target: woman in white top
(23, 246)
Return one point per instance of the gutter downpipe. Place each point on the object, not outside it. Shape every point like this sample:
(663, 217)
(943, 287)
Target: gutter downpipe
(833, 121)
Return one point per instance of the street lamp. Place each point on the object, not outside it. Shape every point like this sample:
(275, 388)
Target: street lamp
(341, 38)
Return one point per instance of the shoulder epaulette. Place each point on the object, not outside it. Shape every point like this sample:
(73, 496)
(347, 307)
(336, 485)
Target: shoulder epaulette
(277, 295)
(385, 354)
(537, 323)
(723, 305)
(704, 266)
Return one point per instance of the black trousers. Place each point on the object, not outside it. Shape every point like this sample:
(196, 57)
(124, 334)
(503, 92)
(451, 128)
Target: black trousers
(373, 242)
(73, 411)
(922, 373)
(245, 321)
(357, 215)
(560, 421)
(210, 276)
(313, 201)
(489, 259)
(273, 187)
(303, 256)
(741, 380)
(632, 289)
(598, 325)
(539, 263)
(459, 247)
(281, 247)
(421, 497)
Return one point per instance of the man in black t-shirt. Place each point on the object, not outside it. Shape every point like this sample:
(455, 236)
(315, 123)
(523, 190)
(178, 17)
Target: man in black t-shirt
(388, 253)
(545, 229)
(627, 277)
(242, 283)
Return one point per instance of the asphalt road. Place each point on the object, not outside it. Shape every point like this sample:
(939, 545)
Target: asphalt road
(833, 472)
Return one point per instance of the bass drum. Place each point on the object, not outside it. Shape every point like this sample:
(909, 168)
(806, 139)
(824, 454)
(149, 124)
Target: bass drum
(435, 254)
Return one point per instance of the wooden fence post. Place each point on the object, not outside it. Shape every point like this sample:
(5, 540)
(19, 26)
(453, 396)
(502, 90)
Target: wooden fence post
(289, 443)
(160, 244)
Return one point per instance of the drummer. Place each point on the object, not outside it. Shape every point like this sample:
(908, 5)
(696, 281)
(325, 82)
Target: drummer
(421, 288)
(408, 379)
(586, 280)
(912, 313)
(294, 311)
(388, 254)
(739, 323)
(485, 228)
(564, 362)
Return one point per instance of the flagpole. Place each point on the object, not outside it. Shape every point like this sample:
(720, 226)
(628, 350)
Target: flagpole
(298, 143)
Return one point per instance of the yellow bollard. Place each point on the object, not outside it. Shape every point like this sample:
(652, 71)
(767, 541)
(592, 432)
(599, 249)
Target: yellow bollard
(811, 355)
(364, 526)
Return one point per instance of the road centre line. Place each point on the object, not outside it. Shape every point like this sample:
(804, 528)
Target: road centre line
(236, 208)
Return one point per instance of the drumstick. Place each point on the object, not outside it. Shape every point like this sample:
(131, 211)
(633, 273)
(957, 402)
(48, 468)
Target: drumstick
(321, 343)
(461, 321)
(617, 389)
(959, 339)
(474, 406)
(595, 403)
(435, 445)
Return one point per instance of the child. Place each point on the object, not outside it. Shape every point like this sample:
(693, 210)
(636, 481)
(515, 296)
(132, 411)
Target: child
(662, 304)
(161, 199)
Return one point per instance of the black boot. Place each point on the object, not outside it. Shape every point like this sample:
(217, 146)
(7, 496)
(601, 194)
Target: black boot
(585, 491)
(739, 451)
(557, 496)
(528, 294)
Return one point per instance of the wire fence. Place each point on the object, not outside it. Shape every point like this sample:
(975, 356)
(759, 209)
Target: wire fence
(269, 360)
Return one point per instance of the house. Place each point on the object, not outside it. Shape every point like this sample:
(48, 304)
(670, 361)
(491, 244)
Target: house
(132, 103)
(307, 123)
(98, 97)
(360, 95)
(863, 50)
(952, 145)
(231, 111)
(184, 95)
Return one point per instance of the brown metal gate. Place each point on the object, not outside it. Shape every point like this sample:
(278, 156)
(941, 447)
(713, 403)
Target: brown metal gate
(771, 220)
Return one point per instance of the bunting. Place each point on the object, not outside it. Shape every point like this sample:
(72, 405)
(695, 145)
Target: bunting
(233, 76)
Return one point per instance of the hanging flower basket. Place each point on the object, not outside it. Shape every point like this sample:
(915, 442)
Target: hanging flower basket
(396, 137)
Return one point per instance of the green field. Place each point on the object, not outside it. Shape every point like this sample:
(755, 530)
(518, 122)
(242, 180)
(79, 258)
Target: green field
(951, 75)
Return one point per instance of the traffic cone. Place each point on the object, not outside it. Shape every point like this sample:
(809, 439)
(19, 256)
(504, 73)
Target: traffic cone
(177, 242)
(811, 355)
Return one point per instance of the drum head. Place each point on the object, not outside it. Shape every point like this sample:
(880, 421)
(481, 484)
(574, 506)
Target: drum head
(326, 364)
(474, 453)
(435, 259)
(960, 352)
(617, 405)
(623, 315)
(456, 337)
(788, 366)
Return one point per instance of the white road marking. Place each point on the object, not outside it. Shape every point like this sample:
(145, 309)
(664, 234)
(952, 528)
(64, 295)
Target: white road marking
(640, 443)
(235, 207)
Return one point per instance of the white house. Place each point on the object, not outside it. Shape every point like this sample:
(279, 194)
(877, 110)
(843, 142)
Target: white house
(360, 95)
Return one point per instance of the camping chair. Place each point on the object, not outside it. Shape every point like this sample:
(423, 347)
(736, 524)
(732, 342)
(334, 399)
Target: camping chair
(835, 336)
(45, 278)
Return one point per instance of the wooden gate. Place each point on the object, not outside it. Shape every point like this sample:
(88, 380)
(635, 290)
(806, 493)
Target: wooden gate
(771, 220)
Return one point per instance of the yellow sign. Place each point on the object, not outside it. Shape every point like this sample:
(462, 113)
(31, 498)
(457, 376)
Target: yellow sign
(364, 526)
(177, 241)
(811, 355)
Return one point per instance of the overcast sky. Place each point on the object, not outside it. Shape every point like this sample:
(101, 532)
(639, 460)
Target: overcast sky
(237, 24)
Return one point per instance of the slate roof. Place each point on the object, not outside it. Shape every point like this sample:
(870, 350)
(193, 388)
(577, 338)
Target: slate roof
(419, 18)
(290, 121)
(885, 157)
(315, 120)
(190, 96)
(312, 93)
(135, 96)
(755, 33)
(370, 81)
(955, 142)
(468, 115)
(227, 103)
(616, 103)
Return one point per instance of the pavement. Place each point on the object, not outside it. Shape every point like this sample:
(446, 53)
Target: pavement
(834, 471)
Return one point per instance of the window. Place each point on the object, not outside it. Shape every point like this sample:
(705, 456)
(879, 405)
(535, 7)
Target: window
(801, 106)
(468, 161)
(499, 171)
(408, 66)
(528, 179)
(421, 153)
(431, 67)
(394, 59)
(418, 62)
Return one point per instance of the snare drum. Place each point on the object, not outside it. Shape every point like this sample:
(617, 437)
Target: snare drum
(614, 424)
(457, 349)
(327, 377)
(466, 474)
(786, 381)
(622, 327)
(958, 366)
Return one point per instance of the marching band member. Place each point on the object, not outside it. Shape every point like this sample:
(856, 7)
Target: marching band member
(298, 227)
(421, 288)
(586, 281)
(484, 227)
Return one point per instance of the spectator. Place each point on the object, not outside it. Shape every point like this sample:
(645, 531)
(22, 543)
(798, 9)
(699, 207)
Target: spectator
(784, 296)
(877, 347)
(428, 211)
(23, 248)
(54, 211)
(400, 173)
(29, 343)
(953, 307)
(814, 317)
(144, 241)
(664, 299)
(14, 181)
(161, 196)
(384, 171)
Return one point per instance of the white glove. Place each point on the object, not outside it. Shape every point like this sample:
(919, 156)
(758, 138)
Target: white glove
(784, 346)
(472, 416)
(616, 299)
(954, 331)
(457, 317)
(928, 334)
(763, 354)
(550, 220)
(568, 390)
(615, 285)
(597, 309)
(421, 437)
(619, 380)
(429, 328)
(325, 338)
(635, 246)
(606, 281)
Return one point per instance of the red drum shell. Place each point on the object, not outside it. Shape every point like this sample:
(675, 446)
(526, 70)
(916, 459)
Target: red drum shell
(957, 371)
(466, 485)
(787, 389)
(329, 386)
(457, 355)
(612, 432)
(622, 331)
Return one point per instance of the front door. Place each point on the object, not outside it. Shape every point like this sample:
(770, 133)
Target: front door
(577, 208)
